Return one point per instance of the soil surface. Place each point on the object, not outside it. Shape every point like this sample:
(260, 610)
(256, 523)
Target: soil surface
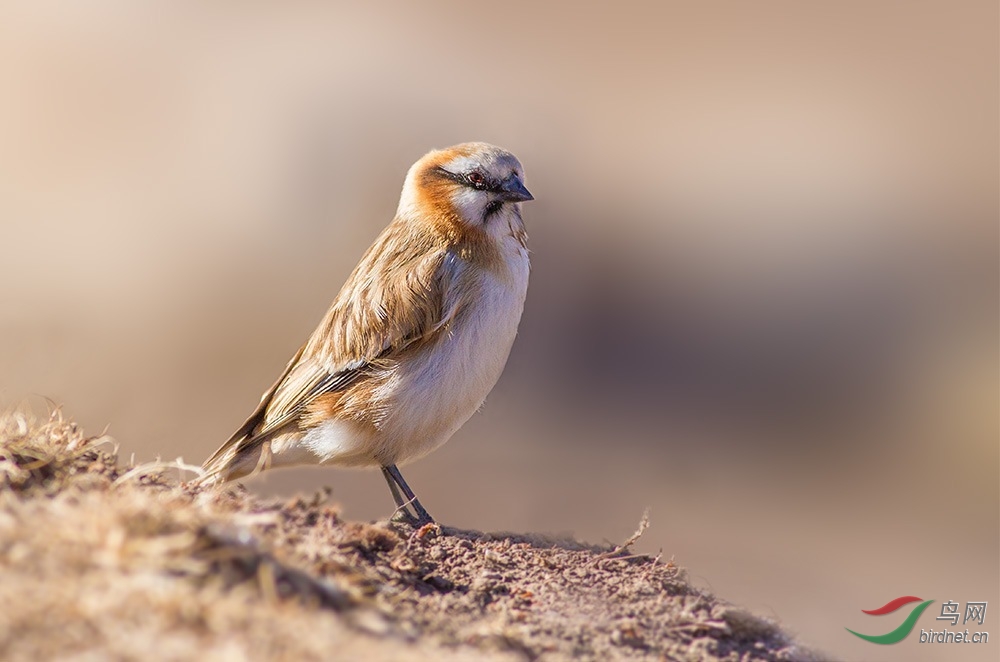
(103, 561)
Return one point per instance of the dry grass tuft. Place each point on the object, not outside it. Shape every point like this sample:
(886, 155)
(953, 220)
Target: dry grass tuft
(49, 455)
(100, 562)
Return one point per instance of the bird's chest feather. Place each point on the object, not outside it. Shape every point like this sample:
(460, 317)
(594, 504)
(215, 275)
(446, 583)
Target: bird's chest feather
(439, 391)
(477, 343)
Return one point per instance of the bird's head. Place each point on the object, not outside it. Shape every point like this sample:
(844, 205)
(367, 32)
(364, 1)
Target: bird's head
(472, 182)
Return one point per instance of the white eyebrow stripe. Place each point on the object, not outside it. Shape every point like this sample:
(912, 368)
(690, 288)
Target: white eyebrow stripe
(460, 164)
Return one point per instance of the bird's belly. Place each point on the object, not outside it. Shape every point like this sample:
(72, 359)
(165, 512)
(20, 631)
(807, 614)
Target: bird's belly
(430, 396)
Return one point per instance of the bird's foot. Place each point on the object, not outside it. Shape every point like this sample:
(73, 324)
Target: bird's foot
(404, 516)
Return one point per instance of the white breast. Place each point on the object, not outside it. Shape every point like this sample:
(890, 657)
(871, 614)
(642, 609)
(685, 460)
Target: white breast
(431, 396)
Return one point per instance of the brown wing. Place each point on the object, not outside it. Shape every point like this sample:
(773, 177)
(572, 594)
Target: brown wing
(303, 377)
(394, 299)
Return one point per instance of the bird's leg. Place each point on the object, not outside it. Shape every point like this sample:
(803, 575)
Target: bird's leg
(402, 512)
(396, 496)
(394, 478)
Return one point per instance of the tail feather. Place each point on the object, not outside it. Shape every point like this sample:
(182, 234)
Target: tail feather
(243, 454)
(248, 450)
(236, 459)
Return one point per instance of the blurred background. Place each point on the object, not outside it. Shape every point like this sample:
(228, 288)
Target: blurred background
(764, 295)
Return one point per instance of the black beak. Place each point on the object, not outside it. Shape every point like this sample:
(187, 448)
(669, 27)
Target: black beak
(512, 190)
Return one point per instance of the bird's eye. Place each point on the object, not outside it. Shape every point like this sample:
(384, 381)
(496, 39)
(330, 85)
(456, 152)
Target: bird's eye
(477, 178)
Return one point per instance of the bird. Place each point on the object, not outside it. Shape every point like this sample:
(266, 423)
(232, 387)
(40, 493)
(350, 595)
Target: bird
(416, 338)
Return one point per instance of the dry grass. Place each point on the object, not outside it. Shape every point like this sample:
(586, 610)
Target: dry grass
(99, 561)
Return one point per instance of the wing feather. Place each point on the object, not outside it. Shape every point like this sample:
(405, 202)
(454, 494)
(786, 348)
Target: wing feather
(393, 300)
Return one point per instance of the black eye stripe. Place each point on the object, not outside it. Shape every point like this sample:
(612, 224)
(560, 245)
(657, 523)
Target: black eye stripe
(484, 183)
(463, 178)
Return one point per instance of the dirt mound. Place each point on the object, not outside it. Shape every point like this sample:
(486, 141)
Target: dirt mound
(101, 561)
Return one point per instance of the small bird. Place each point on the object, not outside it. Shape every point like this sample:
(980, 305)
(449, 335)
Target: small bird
(414, 341)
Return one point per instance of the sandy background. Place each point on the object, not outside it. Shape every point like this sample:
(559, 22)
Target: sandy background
(764, 288)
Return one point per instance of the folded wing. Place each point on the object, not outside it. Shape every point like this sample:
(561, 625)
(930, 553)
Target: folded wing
(393, 301)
